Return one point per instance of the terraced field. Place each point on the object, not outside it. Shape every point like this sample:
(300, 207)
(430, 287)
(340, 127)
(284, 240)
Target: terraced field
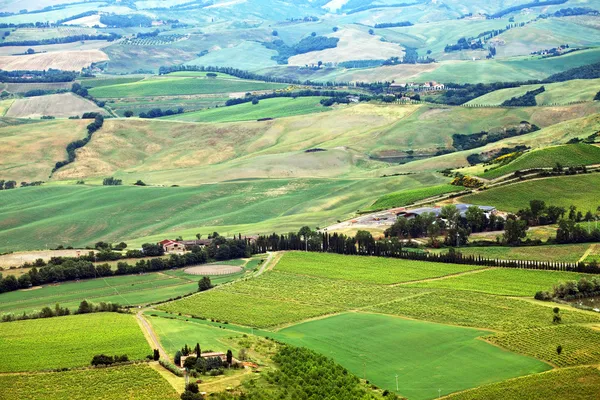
(54, 339)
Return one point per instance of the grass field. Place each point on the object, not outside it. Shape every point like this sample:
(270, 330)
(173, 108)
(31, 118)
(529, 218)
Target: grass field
(558, 191)
(406, 197)
(581, 383)
(423, 355)
(124, 290)
(269, 108)
(135, 382)
(555, 93)
(504, 281)
(173, 86)
(64, 60)
(71, 341)
(374, 270)
(479, 310)
(567, 155)
(559, 253)
(108, 81)
(580, 344)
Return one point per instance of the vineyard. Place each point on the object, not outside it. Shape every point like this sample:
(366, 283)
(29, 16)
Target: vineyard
(154, 41)
(132, 382)
(502, 281)
(44, 344)
(479, 310)
(124, 290)
(375, 270)
(580, 344)
(573, 383)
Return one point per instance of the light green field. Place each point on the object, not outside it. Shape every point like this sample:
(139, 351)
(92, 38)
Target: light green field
(559, 253)
(561, 191)
(123, 290)
(423, 355)
(458, 307)
(555, 94)
(269, 108)
(71, 341)
(140, 105)
(173, 86)
(248, 55)
(376, 270)
(24, 34)
(406, 197)
(135, 382)
(108, 81)
(580, 344)
(567, 155)
(504, 281)
(573, 383)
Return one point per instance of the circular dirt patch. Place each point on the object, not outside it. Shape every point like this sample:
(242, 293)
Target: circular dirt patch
(213, 270)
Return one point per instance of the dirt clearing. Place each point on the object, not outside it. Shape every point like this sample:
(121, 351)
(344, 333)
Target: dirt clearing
(61, 105)
(213, 270)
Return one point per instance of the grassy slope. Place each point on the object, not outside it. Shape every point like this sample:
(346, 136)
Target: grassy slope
(413, 350)
(172, 86)
(567, 155)
(269, 108)
(556, 93)
(559, 191)
(573, 383)
(134, 382)
(70, 341)
(406, 197)
(559, 253)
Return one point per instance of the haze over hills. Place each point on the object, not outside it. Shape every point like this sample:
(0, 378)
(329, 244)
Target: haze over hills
(342, 199)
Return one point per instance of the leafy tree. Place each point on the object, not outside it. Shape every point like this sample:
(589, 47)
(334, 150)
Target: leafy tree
(229, 357)
(275, 33)
(514, 230)
(128, 114)
(156, 355)
(177, 358)
(190, 362)
(597, 97)
(475, 218)
(139, 183)
(254, 101)
(371, 32)
(305, 232)
(559, 349)
(204, 284)
(85, 307)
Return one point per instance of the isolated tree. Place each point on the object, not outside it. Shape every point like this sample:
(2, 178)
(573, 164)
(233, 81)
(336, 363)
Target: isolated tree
(198, 236)
(197, 350)
(559, 349)
(229, 357)
(177, 358)
(30, 51)
(557, 319)
(335, 29)
(128, 113)
(275, 33)
(371, 32)
(139, 182)
(255, 101)
(204, 284)
(597, 96)
(313, 34)
(156, 355)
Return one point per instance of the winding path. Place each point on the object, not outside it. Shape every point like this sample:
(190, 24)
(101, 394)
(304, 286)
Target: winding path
(151, 335)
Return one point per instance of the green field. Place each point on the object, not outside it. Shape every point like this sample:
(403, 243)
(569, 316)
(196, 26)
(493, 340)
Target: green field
(269, 108)
(424, 355)
(135, 382)
(581, 344)
(173, 86)
(124, 290)
(71, 341)
(567, 155)
(571, 383)
(406, 197)
(458, 307)
(561, 191)
(555, 93)
(504, 281)
(363, 269)
(559, 253)
(108, 81)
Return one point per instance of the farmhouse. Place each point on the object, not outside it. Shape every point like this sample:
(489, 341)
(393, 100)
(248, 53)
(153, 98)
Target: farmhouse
(171, 246)
(462, 208)
(191, 243)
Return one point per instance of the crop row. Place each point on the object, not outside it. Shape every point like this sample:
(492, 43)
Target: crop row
(580, 344)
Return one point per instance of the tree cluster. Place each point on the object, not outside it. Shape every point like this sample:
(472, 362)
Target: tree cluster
(474, 140)
(28, 76)
(393, 24)
(157, 113)
(73, 146)
(66, 39)
(104, 360)
(85, 307)
(535, 3)
(570, 290)
(306, 45)
(526, 100)
(125, 21)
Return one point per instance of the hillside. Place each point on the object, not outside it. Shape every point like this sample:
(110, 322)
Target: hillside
(62, 105)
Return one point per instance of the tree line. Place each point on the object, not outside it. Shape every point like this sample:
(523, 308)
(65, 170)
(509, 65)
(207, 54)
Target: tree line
(519, 7)
(67, 39)
(61, 269)
(85, 307)
(526, 100)
(29, 76)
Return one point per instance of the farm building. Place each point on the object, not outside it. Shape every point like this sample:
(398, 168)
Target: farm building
(171, 246)
(211, 354)
(191, 243)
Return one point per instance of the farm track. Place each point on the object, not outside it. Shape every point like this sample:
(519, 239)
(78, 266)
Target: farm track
(439, 278)
(588, 252)
(150, 335)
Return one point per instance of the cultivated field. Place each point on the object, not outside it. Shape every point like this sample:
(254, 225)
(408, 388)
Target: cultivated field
(19, 258)
(61, 105)
(418, 352)
(559, 253)
(561, 191)
(65, 60)
(406, 197)
(71, 341)
(135, 382)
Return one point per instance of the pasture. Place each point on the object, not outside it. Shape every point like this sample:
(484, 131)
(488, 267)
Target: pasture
(581, 383)
(61, 105)
(407, 197)
(134, 382)
(269, 108)
(70, 341)
(424, 355)
(559, 253)
(174, 86)
(127, 290)
(561, 191)
(566, 155)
